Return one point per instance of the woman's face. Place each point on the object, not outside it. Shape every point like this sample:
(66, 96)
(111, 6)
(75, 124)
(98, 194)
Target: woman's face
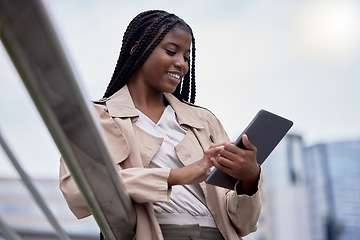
(167, 64)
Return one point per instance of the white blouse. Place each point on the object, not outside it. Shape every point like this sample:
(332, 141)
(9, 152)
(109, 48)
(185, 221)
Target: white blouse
(187, 202)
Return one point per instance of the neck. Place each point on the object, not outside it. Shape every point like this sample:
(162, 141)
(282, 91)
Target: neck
(145, 98)
(150, 103)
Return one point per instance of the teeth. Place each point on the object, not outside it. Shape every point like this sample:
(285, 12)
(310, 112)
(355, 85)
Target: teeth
(175, 75)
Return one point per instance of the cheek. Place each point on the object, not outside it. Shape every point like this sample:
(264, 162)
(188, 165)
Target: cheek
(151, 65)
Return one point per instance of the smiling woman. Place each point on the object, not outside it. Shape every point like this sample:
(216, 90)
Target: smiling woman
(164, 146)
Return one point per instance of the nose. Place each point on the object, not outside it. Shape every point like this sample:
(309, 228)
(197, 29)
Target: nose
(181, 63)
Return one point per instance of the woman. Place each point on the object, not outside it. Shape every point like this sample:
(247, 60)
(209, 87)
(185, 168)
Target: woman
(164, 146)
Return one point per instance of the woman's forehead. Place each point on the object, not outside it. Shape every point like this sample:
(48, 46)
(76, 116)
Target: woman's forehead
(178, 36)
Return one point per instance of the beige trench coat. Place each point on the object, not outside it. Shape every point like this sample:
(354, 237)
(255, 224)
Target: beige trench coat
(132, 149)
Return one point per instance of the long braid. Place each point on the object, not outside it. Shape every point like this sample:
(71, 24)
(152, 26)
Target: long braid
(177, 91)
(134, 25)
(184, 95)
(190, 75)
(193, 83)
(122, 59)
(141, 31)
(151, 48)
(146, 39)
(126, 60)
(138, 58)
(128, 40)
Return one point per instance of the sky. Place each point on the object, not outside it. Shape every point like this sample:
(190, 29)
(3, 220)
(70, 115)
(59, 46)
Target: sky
(298, 59)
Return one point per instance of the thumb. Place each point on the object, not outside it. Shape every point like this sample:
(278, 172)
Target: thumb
(248, 145)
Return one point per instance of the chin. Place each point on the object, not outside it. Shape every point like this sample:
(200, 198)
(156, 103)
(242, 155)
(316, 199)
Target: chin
(169, 89)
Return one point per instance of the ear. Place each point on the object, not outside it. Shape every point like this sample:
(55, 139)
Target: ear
(134, 47)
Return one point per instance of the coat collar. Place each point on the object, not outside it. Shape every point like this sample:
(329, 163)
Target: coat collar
(121, 105)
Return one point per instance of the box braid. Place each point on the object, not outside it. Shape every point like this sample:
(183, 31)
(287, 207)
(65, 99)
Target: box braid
(143, 29)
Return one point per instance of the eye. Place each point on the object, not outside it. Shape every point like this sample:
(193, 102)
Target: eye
(170, 52)
(173, 53)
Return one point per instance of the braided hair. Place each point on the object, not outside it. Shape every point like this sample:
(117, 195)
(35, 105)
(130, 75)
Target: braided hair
(142, 30)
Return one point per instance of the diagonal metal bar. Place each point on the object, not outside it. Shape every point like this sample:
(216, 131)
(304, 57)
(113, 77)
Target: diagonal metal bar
(36, 195)
(39, 57)
(7, 232)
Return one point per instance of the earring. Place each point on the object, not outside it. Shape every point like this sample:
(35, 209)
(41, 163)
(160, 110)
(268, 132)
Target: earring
(132, 50)
(134, 47)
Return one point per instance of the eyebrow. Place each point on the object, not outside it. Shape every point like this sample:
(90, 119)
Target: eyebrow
(176, 45)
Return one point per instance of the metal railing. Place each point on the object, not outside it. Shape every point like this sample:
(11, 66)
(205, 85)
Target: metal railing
(8, 232)
(34, 47)
(34, 192)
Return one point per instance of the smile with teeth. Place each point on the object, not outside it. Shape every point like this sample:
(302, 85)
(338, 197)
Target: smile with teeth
(177, 76)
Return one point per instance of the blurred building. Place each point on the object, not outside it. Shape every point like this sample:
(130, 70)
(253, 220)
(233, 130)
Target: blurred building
(21, 213)
(333, 176)
(311, 192)
(286, 207)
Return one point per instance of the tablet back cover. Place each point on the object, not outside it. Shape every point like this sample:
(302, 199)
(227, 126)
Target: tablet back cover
(265, 132)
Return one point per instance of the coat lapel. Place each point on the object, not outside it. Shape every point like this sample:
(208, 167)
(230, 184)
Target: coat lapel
(121, 108)
(150, 145)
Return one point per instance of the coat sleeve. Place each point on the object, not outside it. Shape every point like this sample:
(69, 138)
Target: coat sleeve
(143, 185)
(244, 210)
(71, 192)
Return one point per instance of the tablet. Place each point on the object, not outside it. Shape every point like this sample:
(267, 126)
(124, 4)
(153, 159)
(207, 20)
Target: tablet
(265, 131)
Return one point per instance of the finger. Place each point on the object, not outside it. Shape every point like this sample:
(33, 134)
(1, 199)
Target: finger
(248, 145)
(225, 162)
(213, 151)
(217, 165)
(229, 152)
(218, 145)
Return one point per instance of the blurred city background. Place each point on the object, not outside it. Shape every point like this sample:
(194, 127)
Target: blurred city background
(299, 59)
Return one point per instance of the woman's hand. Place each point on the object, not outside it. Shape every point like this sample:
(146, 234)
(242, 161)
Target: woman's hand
(240, 163)
(196, 172)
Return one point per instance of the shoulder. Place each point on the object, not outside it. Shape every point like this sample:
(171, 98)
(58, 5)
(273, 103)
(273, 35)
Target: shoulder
(208, 118)
(202, 111)
(190, 112)
(209, 122)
